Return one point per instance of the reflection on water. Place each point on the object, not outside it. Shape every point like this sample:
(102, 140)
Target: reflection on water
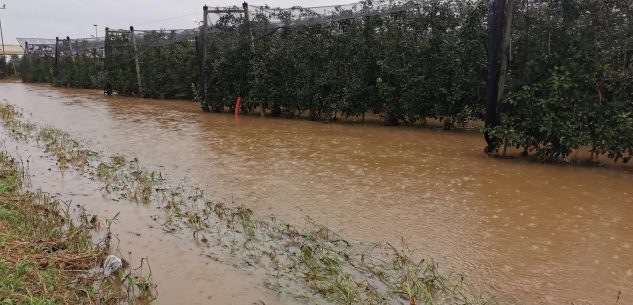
(536, 233)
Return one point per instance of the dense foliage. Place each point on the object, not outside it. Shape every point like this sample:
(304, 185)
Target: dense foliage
(37, 69)
(168, 69)
(570, 78)
(407, 66)
(7, 66)
(83, 70)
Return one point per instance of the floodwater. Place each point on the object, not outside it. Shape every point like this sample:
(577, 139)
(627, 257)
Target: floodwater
(527, 232)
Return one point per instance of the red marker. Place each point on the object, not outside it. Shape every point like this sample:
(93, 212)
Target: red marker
(237, 105)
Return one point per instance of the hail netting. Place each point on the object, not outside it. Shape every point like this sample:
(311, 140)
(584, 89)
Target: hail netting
(308, 16)
(328, 60)
(38, 64)
(37, 46)
(79, 62)
(151, 63)
(228, 36)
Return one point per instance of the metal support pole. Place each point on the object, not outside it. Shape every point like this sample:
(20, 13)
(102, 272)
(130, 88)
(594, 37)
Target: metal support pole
(70, 74)
(107, 61)
(56, 57)
(70, 46)
(203, 58)
(138, 68)
(248, 23)
(1, 32)
(252, 46)
(27, 68)
(200, 70)
(499, 30)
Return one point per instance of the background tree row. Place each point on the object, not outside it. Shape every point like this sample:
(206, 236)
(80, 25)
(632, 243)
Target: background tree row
(570, 79)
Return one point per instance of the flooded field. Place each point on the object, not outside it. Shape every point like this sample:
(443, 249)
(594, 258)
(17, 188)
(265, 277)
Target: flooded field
(529, 233)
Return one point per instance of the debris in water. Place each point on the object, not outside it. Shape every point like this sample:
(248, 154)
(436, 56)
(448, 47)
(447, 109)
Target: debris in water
(111, 264)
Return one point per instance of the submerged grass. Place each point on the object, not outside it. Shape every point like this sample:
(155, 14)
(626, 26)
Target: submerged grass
(46, 257)
(312, 264)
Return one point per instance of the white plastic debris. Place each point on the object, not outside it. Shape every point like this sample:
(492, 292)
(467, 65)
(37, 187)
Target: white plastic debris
(111, 264)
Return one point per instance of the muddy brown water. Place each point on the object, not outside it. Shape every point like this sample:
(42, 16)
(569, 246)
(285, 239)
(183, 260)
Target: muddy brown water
(529, 233)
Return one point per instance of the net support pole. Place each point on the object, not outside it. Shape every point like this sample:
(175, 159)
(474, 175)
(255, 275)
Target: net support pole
(107, 50)
(252, 47)
(70, 47)
(72, 62)
(196, 40)
(26, 57)
(499, 30)
(203, 58)
(56, 58)
(28, 60)
(136, 65)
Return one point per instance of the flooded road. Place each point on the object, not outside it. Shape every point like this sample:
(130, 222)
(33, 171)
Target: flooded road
(530, 233)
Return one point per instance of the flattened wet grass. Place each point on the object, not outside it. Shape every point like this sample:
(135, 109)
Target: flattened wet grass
(48, 258)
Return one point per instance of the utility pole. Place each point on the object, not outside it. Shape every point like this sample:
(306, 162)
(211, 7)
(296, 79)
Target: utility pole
(499, 36)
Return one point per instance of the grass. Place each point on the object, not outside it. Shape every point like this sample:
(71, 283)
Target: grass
(313, 264)
(48, 258)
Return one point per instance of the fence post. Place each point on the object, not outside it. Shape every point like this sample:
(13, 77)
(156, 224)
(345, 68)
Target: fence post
(138, 68)
(499, 30)
(28, 60)
(252, 46)
(196, 41)
(107, 61)
(203, 58)
(70, 74)
(70, 47)
(56, 58)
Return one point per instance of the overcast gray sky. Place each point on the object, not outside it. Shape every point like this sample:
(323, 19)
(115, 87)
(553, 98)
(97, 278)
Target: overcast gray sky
(75, 18)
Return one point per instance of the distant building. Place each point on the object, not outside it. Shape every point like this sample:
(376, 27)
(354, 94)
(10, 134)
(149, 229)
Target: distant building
(11, 49)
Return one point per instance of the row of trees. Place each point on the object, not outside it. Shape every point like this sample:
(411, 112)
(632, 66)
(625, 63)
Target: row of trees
(168, 67)
(409, 66)
(8, 66)
(569, 79)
